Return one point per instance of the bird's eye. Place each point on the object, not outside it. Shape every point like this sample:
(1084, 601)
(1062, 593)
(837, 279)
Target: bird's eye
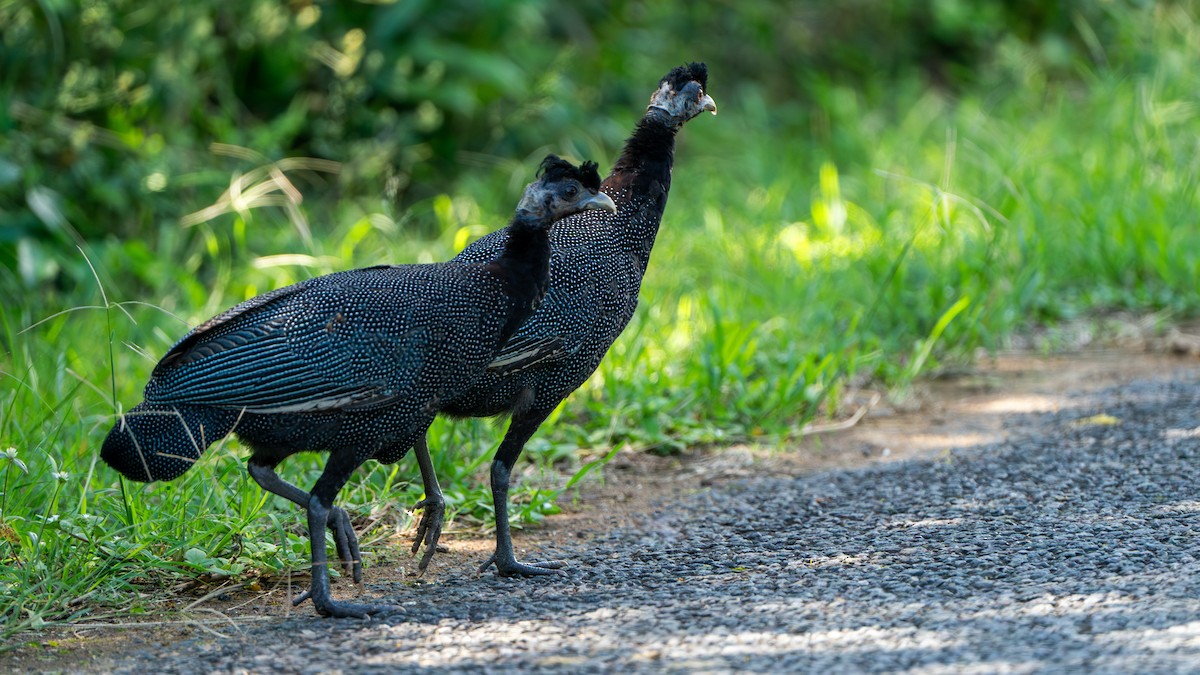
(571, 191)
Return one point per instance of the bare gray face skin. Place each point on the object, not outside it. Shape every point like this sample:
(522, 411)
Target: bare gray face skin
(684, 104)
(562, 197)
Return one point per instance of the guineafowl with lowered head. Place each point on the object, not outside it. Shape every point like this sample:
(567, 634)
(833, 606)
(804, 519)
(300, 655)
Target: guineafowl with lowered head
(355, 363)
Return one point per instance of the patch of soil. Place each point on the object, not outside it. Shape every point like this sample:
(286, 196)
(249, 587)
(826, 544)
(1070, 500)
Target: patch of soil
(958, 409)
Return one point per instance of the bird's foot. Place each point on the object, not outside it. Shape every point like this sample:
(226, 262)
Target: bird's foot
(429, 529)
(512, 568)
(343, 610)
(347, 543)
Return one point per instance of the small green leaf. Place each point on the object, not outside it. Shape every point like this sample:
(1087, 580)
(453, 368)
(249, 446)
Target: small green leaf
(196, 557)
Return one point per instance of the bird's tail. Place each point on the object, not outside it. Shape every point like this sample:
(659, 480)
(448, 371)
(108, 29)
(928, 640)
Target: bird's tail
(159, 442)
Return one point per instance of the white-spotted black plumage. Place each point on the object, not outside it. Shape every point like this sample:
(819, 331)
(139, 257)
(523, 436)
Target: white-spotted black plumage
(355, 363)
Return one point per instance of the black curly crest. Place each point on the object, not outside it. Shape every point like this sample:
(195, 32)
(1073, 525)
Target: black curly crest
(555, 168)
(681, 75)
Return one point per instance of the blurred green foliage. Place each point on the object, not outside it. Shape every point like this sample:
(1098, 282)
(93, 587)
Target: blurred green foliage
(113, 107)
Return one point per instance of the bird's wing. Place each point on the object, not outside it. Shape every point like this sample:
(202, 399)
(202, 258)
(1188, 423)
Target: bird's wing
(222, 331)
(335, 343)
(525, 352)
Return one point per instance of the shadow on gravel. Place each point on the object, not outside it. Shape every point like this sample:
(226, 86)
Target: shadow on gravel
(1071, 545)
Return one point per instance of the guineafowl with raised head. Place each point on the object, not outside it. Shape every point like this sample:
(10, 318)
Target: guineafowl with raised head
(595, 276)
(356, 364)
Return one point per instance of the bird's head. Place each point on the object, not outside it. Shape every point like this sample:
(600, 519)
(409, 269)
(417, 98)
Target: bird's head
(563, 189)
(680, 94)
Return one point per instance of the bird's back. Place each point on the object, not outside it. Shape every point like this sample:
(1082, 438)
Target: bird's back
(345, 341)
(350, 339)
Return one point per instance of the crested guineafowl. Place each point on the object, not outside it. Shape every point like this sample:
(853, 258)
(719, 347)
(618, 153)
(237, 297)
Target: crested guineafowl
(356, 364)
(595, 276)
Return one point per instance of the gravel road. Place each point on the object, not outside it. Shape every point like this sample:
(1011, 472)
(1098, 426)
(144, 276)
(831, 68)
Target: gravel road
(1071, 546)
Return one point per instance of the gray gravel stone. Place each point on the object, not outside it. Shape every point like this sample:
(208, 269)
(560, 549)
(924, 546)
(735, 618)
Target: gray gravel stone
(1069, 547)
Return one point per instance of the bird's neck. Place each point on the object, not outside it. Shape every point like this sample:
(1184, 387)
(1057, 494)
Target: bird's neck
(525, 267)
(651, 147)
(640, 181)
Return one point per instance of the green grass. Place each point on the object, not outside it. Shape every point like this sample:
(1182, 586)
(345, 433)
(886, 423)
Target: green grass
(878, 244)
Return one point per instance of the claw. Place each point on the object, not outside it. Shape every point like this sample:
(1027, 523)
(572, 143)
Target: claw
(513, 568)
(347, 543)
(327, 606)
(429, 529)
(351, 610)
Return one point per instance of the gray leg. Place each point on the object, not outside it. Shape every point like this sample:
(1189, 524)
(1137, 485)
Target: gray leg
(339, 520)
(519, 431)
(320, 504)
(433, 506)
